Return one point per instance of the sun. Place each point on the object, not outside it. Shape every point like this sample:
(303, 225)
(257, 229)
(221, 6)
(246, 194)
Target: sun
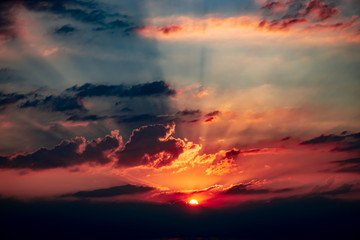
(194, 202)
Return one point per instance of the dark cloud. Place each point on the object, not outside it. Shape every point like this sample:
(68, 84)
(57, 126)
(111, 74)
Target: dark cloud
(245, 189)
(89, 12)
(212, 114)
(297, 12)
(139, 119)
(283, 190)
(158, 88)
(187, 112)
(285, 139)
(194, 121)
(143, 118)
(7, 28)
(65, 30)
(72, 100)
(348, 161)
(84, 11)
(233, 153)
(252, 188)
(68, 153)
(324, 139)
(92, 117)
(351, 145)
(54, 103)
(185, 116)
(351, 165)
(111, 192)
(150, 145)
(344, 189)
(9, 98)
(349, 142)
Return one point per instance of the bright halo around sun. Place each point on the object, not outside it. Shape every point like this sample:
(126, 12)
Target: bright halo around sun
(194, 202)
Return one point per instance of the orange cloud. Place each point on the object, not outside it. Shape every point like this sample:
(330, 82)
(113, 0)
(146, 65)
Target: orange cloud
(50, 51)
(250, 27)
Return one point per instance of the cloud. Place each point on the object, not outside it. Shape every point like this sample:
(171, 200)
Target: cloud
(245, 189)
(212, 114)
(226, 161)
(91, 117)
(9, 98)
(275, 6)
(252, 188)
(143, 118)
(158, 88)
(65, 30)
(324, 139)
(320, 9)
(284, 15)
(88, 12)
(210, 119)
(351, 165)
(151, 145)
(139, 118)
(291, 18)
(187, 112)
(54, 103)
(7, 28)
(111, 192)
(349, 142)
(344, 189)
(169, 29)
(282, 24)
(68, 153)
(71, 99)
(285, 139)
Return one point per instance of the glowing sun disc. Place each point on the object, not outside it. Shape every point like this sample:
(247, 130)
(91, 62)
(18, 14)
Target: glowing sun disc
(194, 202)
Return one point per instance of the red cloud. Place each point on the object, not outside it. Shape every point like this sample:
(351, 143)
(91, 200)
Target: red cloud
(169, 29)
(210, 119)
(321, 10)
(282, 24)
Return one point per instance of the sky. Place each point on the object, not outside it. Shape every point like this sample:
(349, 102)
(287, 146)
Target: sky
(135, 107)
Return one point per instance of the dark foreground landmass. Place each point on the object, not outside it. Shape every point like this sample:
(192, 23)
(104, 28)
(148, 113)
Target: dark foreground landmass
(297, 218)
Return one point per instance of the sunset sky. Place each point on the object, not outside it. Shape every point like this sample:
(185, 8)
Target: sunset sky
(157, 102)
